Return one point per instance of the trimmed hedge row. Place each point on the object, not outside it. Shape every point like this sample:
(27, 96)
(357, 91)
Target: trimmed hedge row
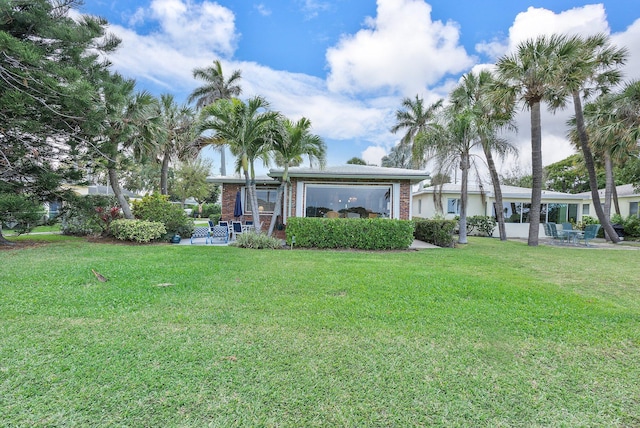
(137, 230)
(363, 234)
(436, 232)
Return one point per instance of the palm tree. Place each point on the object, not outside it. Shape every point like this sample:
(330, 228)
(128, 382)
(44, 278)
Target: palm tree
(474, 93)
(289, 148)
(216, 87)
(529, 76)
(588, 64)
(177, 141)
(413, 118)
(612, 124)
(130, 129)
(398, 157)
(449, 143)
(249, 129)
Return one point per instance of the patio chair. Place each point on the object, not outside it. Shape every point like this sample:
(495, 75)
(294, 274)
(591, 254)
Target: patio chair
(590, 232)
(237, 229)
(551, 230)
(200, 232)
(567, 226)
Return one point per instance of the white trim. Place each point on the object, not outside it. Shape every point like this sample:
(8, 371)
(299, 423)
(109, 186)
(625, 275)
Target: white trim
(299, 198)
(395, 197)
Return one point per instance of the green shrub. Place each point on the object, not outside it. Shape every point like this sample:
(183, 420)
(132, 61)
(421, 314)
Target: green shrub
(157, 207)
(485, 225)
(22, 213)
(257, 241)
(436, 231)
(364, 234)
(632, 226)
(208, 210)
(137, 230)
(88, 215)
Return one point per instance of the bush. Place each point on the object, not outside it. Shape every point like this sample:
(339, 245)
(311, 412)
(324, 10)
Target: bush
(19, 212)
(364, 234)
(632, 226)
(257, 241)
(89, 215)
(437, 231)
(485, 225)
(157, 207)
(208, 210)
(137, 230)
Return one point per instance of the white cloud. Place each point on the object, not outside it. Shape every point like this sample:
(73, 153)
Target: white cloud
(262, 9)
(373, 155)
(585, 20)
(401, 50)
(630, 38)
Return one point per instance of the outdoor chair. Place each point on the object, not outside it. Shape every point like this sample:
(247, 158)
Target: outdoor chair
(200, 232)
(551, 230)
(237, 229)
(567, 226)
(590, 232)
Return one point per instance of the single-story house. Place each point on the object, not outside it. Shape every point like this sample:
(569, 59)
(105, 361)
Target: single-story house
(556, 207)
(360, 191)
(628, 199)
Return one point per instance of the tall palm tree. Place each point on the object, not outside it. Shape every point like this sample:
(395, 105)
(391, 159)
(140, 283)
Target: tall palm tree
(177, 141)
(587, 65)
(528, 76)
(130, 129)
(399, 157)
(290, 146)
(248, 129)
(449, 143)
(474, 94)
(414, 118)
(215, 87)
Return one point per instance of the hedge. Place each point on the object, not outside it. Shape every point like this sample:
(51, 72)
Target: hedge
(436, 232)
(363, 234)
(137, 230)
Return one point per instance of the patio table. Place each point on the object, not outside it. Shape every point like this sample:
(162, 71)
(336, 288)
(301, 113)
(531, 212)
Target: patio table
(572, 234)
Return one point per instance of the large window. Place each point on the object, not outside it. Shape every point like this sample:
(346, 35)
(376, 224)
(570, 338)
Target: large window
(518, 212)
(266, 200)
(353, 201)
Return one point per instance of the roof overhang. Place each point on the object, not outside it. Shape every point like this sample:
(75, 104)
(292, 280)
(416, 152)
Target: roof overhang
(354, 172)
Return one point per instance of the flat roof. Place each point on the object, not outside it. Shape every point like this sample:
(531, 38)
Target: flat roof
(354, 172)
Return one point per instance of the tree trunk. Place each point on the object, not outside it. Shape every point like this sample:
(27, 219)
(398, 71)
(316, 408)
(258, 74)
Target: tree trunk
(536, 173)
(495, 180)
(253, 197)
(3, 240)
(464, 166)
(223, 162)
(590, 165)
(614, 192)
(608, 188)
(117, 191)
(164, 175)
(277, 209)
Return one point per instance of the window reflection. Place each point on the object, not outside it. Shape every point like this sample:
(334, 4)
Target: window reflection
(347, 201)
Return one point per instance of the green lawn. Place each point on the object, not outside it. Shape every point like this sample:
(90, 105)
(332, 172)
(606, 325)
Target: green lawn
(492, 334)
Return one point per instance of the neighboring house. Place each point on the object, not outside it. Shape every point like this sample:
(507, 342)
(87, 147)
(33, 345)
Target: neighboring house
(355, 191)
(628, 199)
(556, 207)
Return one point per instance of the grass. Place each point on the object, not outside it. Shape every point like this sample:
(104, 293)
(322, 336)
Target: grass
(492, 334)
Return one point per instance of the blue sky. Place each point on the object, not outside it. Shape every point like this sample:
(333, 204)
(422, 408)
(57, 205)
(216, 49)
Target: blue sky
(347, 64)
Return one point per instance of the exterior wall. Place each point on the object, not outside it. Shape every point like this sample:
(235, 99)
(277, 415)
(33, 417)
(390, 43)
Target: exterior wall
(228, 201)
(477, 207)
(623, 201)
